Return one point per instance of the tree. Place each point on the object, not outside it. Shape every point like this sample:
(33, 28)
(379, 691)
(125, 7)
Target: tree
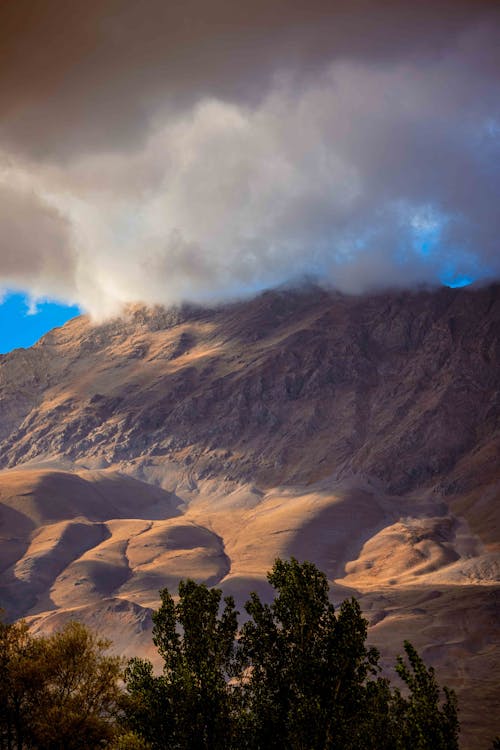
(299, 676)
(59, 692)
(190, 704)
(79, 702)
(129, 741)
(19, 684)
(427, 722)
(307, 667)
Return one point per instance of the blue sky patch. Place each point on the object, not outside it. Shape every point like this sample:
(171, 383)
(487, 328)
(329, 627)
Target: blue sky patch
(22, 323)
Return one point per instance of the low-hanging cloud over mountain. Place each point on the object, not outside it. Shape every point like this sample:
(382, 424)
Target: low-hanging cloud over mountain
(189, 156)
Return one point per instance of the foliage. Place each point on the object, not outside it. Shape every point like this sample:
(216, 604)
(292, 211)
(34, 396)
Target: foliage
(426, 725)
(130, 741)
(307, 666)
(59, 692)
(189, 705)
(302, 677)
(298, 676)
(19, 684)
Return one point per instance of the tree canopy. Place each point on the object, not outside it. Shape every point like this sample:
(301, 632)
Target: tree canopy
(59, 692)
(297, 675)
(190, 704)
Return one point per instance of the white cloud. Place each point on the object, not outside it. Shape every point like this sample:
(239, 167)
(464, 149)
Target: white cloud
(344, 178)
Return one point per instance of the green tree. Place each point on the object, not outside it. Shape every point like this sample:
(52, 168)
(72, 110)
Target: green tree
(426, 721)
(307, 667)
(190, 704)
(20, 684)
(59, 692)
(79, 703)
(298, 676)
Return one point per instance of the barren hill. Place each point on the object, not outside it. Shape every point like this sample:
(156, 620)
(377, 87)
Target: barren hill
(362, 433)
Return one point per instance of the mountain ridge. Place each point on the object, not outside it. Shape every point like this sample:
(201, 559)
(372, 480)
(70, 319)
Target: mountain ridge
(281, 350)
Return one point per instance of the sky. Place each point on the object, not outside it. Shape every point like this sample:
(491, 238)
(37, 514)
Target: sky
(165, 152)
(22, 324)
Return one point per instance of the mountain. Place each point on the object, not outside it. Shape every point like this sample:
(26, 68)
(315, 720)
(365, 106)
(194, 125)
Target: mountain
(362, 433)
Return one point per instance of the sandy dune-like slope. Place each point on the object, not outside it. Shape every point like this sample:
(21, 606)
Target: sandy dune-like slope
(360, 433)
(420, 572)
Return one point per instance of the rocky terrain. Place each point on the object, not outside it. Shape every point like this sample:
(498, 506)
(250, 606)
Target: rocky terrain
(362, 433)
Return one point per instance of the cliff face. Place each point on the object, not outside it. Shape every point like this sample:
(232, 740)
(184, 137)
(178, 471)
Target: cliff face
(291, 386)
(360, 432)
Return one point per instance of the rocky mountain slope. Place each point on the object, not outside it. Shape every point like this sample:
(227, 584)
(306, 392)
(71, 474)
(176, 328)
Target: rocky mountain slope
(362, 433)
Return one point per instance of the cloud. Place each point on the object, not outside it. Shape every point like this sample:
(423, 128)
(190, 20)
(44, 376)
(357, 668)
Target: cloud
(92, 76)
(36, 250)
(369, 169)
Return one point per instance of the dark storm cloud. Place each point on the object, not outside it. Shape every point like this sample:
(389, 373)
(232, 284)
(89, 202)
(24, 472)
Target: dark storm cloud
(90, 75)
(167, 151)
(35, 246)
